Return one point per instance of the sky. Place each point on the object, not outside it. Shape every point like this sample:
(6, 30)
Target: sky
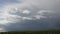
(23, 15)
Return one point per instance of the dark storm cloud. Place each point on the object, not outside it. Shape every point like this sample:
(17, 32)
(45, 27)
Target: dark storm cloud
(49, 9)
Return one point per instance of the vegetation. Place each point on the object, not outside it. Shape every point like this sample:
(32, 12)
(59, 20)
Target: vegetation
(33, 32)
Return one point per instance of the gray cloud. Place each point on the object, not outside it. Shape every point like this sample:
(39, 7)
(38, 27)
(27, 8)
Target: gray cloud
(44, 14)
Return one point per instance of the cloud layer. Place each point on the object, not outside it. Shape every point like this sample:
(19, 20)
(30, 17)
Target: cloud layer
(30, 15)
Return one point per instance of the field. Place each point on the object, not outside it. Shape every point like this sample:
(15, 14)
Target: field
(33, 32)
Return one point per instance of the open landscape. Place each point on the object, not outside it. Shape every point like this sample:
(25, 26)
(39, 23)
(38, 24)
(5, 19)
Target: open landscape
(33, 32)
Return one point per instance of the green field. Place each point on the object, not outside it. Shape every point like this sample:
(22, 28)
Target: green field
(33, 32)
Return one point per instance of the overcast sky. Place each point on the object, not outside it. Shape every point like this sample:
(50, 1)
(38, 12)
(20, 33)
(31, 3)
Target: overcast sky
(29, 15)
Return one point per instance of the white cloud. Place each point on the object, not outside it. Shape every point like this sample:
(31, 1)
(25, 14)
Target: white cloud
(26, 12)
(26, 18)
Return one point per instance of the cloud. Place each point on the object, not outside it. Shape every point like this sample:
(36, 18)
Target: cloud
(26, 12)
(2, 30)
(30, 15)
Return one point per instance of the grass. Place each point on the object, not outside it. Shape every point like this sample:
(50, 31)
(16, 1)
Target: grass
(33, 32)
